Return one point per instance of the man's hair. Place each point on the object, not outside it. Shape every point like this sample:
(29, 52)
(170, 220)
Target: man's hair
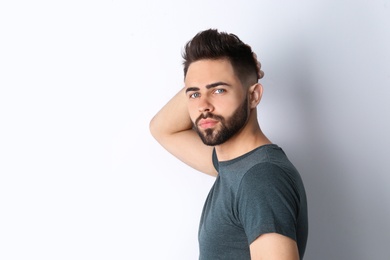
(214, 45)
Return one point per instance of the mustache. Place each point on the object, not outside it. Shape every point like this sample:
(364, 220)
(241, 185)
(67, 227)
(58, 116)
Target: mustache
(208, 115)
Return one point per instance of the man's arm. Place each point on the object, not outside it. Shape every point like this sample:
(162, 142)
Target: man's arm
(273, 246)
(172, 128)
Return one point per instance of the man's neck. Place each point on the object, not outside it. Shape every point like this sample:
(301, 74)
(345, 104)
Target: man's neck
(249, 138)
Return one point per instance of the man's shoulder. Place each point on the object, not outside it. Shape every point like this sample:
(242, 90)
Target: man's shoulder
(267, 156)
(270, 166)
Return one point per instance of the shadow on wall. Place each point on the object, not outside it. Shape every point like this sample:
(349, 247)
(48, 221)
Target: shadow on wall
(344, 170)
(322, 166)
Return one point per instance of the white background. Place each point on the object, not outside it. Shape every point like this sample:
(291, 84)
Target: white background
(80, 175)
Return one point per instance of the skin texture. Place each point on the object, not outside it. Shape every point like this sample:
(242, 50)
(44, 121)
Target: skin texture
(214, 104)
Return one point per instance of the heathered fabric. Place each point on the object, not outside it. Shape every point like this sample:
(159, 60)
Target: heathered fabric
(256, 193)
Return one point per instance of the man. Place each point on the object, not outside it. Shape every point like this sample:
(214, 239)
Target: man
(257, 207)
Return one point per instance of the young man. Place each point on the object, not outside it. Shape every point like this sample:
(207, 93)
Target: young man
(257, 207)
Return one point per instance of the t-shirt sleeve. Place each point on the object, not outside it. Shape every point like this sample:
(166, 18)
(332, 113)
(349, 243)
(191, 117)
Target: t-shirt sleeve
(268, 202)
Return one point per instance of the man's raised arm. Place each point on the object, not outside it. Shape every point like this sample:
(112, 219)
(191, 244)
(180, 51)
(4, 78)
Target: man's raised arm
(172, 128)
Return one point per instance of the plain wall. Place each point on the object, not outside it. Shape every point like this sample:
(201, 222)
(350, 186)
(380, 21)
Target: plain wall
(80, 175)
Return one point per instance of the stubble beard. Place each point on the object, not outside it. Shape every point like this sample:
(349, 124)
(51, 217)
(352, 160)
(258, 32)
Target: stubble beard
(227, 127)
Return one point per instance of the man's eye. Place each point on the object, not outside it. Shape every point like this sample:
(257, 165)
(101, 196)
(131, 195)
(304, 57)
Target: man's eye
(194, 95)
(219, 91)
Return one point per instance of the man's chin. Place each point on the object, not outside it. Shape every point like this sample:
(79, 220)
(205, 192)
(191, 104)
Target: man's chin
(207, 139)
(210, 140)
(209, 136)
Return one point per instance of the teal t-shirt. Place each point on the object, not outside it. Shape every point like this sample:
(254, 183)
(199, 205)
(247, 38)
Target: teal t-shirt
(256, 193)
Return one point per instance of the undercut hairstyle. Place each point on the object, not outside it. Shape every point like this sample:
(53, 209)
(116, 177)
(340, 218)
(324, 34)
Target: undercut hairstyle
(214, 45)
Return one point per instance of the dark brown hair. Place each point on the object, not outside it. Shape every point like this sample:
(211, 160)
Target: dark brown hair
(211, 44)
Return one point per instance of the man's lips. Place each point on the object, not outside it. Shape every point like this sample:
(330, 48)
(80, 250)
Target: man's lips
(207, 123)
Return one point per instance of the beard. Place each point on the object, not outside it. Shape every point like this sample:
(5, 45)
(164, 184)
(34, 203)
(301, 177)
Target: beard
(228, 127)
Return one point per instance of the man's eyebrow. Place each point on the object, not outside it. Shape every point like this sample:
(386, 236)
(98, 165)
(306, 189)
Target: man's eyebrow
(216, 84)
(192, 89)
(212, 85)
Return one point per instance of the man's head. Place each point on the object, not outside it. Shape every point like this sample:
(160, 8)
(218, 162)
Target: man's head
(214, 45)
(221, 74)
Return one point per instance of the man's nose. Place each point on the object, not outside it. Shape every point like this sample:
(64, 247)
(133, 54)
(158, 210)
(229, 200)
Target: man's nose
(204, 105)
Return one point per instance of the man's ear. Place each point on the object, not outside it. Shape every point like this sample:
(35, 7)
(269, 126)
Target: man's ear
(255, 94)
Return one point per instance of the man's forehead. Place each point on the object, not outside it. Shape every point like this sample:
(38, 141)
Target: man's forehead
(209, 71)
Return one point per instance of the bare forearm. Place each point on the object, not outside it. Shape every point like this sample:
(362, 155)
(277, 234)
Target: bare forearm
(172, 118)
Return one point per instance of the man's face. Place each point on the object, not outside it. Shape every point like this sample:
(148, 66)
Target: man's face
(217, 102)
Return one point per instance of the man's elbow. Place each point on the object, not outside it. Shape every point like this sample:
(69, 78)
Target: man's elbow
(153, 128)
